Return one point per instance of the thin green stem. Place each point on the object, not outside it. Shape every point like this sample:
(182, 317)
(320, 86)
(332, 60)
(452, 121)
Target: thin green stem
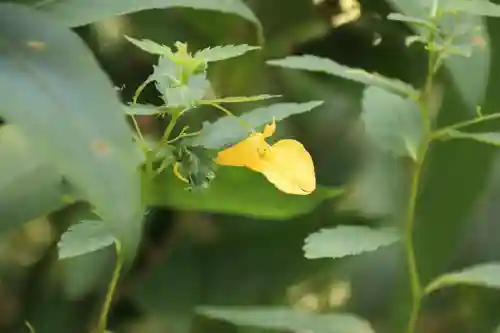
(442, 132)
(103, 317)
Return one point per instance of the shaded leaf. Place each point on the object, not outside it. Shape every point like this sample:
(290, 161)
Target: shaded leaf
(84, 237)
(81, 12)
(229, 130)
(281, 318)
(239, 99)
(485, 275)
(318, 64)
(393, 123)
(492, 138)
(218, 53)
(73, 116)
(255, 198)
(27, 179)
(344, 241)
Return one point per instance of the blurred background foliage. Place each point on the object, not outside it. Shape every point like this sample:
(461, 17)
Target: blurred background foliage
(190, 257)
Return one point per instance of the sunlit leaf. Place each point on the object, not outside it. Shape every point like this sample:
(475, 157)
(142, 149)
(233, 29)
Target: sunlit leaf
(73, 116)
(393, 123)
(256, 198)
(482, 275)
(344, 241)
(229, 130)
(239, 99)
(317, 64)
(84, 237)
(281, 318)
(219, 53)
(150, 46)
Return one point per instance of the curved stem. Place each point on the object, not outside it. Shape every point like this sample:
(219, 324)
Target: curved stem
(103, 317)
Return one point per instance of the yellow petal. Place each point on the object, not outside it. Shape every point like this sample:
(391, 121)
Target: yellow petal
(247, 153)
(290, 168)
(269, 129)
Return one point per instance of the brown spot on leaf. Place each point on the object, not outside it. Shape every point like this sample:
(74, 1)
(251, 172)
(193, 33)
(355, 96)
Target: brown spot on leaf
(36, 45)
(101, 147)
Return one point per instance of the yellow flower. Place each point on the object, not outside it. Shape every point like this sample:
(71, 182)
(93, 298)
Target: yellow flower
(286, 164)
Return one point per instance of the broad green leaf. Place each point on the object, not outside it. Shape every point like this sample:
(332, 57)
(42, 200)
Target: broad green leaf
(393, 123)
(282, 318)
(492, 138)
(75, 13)
(239, 99)
(229, 130)
(84, 237)
(482, 8)
(141, 110)
(470, 74)
(27, 180)
(189, 94)
(224, 52)
(344, 241)
(73, 116)
(483, 275)
(318, 64)
(150, 46)
(255, 197)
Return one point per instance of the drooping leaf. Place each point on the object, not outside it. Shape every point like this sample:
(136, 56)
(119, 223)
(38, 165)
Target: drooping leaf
(393, 123)
(485, 275)
(255, 198)
(73, 116)
(281, 318)
(318, 64)
(492, 138)
(27, 179)
(219, 53)
(229, 130)
(84, 237)
(344, 241)
(239, 99)
(81, 12)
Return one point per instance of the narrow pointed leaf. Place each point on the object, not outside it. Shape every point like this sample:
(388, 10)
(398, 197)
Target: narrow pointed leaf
(224, 52)
(84, 237)
(239, 99)
(150, 46)
(281, 318)
(229, 130)
(344, 241)
(141, 110)
(485, 275)
(318, 64)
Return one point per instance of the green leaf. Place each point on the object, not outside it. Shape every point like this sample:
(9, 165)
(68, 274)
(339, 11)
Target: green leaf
(282, 318)
(492, 138)
(483, 275)
(482, 8)
(73, 116)
(239, 99)
(344, 241)
(393, 123)
(189, 94)
(255, 198)
(141, 110)
(150, 46)
(219, 53)
(27, 179)
(81, 12)
(229, 130)
(84, 237)
(317, 64)
(410, 19)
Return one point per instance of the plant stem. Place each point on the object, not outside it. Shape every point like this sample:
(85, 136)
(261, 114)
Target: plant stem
(442, 132)
(103, 317)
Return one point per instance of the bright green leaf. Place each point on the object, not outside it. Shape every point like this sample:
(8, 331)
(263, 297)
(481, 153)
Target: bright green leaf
(317, 64)
(483, 275)
(73, 115)
(84, 237)
(141, 110)
(239, 99)
(219, 53)
(150, 46)
(393, 123)
(229, 130)
(81, 12)
(492, 138)
(281, 318)
(256, 198)
(344, 241)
